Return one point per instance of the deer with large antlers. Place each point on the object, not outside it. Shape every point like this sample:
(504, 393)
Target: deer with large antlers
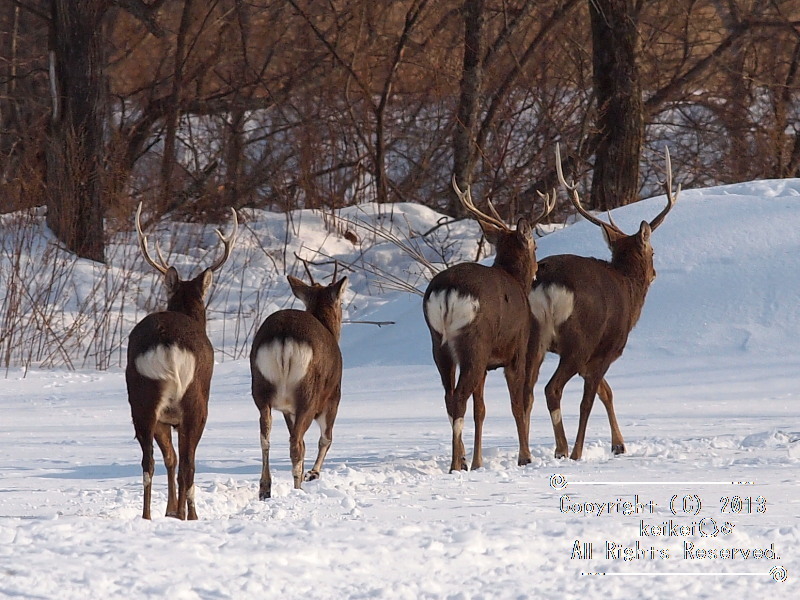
(296, 368)
(585, 308)
(479, 320)
(170, 361)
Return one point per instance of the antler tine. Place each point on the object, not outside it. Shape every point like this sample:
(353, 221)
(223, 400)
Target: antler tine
(494, 212)
(667, 183)
(305, 266)
(469, 205)
(549, 205)
(570, 187)
(161, 268)
(228, 242)
(576, 202)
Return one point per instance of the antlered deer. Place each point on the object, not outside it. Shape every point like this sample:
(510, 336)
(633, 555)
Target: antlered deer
(586, 307)
(170, 360)
(296, 368)
(479, 320)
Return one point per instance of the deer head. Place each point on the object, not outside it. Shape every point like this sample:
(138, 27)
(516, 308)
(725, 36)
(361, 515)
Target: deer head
(626, 250)
(186, 296)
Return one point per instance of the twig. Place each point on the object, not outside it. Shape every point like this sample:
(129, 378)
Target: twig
(378, 323)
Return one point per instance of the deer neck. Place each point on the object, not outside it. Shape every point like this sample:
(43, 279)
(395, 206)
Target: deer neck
(519, 270)
(194, 309)
(636, 277)
(330, 318)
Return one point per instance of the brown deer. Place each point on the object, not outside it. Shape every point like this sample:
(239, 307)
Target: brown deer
(170, 360)
(586, 307)
(479, 320)
(296, 368)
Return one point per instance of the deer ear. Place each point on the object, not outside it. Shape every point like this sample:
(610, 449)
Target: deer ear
(611, 235)
(299, 289)
(523, 228)
(339, 288)
(171, 280)
(491, 232)
(205, 284)
(645, 231)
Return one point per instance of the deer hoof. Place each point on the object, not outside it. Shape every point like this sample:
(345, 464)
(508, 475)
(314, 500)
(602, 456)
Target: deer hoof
(559, 454)
(264, 494)
(311, 476)
(459, 466)
(618, 449)
(524, 461)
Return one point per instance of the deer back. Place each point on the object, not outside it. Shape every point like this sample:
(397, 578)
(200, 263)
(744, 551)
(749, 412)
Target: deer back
(587, 307)
(172, 346)
(469, 302)
(301, 347)
(584, 304)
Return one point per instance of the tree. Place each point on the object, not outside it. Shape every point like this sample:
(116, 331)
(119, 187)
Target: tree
(75, 174)
(618, 98)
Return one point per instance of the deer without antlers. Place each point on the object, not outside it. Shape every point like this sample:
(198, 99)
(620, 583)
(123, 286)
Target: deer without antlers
(585, 308)
(296, 368)
(479, 320)
(170, 361)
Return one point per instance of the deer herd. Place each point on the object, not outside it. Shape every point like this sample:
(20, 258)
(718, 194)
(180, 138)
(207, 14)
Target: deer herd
(508, 315)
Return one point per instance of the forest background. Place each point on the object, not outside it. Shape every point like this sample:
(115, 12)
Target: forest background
(194, 106)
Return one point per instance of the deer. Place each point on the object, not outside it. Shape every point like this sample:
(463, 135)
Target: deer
(479, 320)
(168, 376)
(585, 308)
(296, 369)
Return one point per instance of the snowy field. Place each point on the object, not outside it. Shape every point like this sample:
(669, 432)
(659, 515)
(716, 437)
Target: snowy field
(705, 504)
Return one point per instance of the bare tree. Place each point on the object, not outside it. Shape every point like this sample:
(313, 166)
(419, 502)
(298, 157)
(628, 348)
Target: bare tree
(75, 173)
(618, 99)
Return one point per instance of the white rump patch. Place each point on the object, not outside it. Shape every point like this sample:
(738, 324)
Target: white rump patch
(551, 305)
(172, 365)
(284, 363)
(450, 310)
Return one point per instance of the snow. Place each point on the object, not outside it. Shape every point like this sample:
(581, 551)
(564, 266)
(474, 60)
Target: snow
(706, 396)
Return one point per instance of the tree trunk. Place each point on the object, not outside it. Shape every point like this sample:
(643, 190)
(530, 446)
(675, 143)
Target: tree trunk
(168, 199)
(75, 175)
(464, 151)
(620, 112)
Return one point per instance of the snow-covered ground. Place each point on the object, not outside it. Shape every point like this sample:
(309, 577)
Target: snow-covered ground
(704, 504)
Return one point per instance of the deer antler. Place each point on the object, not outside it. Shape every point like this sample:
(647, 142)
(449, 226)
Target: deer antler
(572, 187)
(228, 242)
(161, 268)
(305, 266)
(469, 206)
(549, 205)
(667, 184)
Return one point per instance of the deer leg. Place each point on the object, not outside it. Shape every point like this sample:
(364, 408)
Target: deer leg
(265, 426)
(607, 398)
(163, 436)
(479, 413)
(553, 392)
(447, 372)
(590, 385)
(325, 422)
(144, 435)
(521, 404)
(297, 446)
(188, 437)
(470, 375)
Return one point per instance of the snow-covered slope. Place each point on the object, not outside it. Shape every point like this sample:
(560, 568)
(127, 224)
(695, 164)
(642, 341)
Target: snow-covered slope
(706, 395)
